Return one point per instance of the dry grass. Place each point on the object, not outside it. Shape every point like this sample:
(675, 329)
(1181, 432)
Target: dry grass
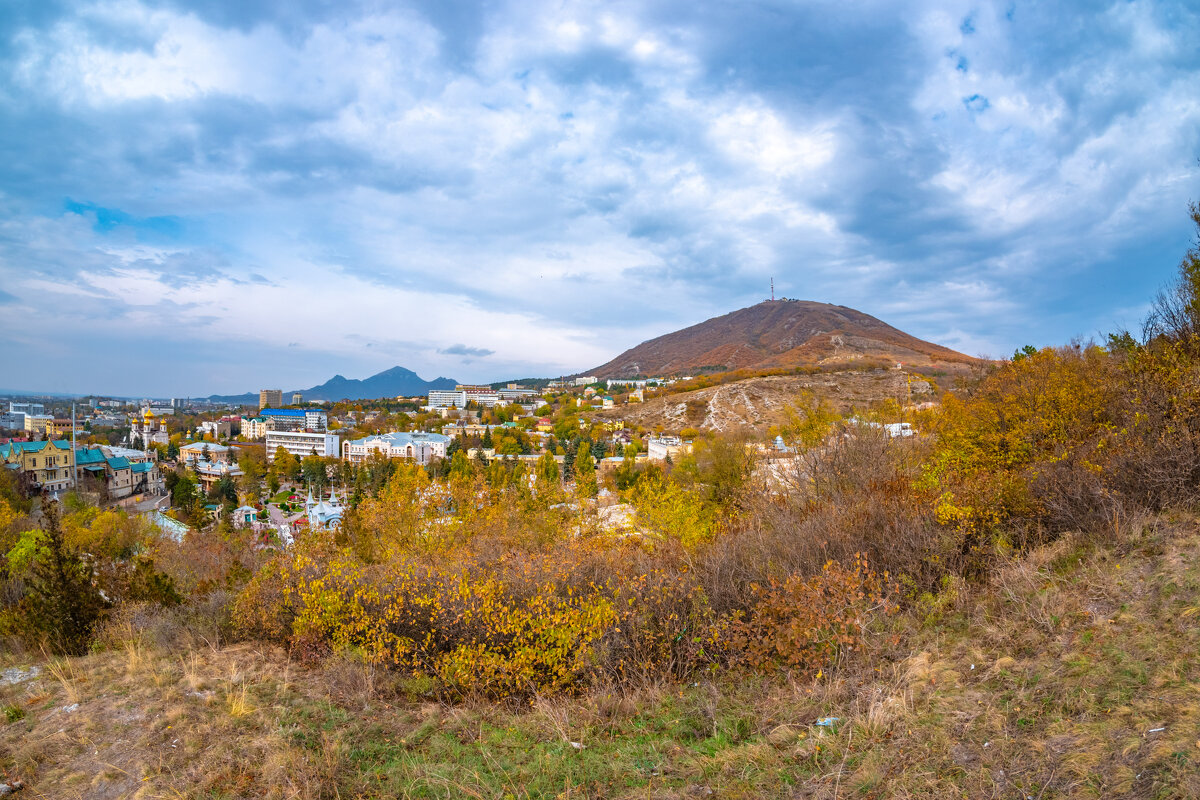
(1072, 676)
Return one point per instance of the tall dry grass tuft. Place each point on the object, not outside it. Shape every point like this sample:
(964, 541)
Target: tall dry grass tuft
(63, 671)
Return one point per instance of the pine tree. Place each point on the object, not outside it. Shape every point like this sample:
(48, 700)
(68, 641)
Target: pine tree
(61, 601)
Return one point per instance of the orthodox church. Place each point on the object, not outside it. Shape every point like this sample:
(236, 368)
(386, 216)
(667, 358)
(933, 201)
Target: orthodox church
(147, 430)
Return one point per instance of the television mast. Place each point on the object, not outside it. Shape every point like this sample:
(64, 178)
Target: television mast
(772, 289)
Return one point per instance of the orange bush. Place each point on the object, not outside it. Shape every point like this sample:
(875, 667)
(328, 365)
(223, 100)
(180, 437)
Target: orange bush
(806, 623)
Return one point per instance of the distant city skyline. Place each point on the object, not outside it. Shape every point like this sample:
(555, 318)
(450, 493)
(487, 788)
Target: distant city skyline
(212, 198)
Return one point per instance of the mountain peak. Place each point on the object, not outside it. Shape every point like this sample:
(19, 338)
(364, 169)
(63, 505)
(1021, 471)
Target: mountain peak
(777, 334)
(393, 382)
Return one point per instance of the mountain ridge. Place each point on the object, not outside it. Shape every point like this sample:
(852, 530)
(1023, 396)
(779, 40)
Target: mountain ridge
(391, 382)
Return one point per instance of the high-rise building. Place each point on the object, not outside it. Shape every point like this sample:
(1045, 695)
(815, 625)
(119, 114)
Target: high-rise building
(297, 398)
(270, 397)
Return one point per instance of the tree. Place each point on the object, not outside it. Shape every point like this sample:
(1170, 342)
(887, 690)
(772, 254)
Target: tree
(313, 468)
(626, 475)
(184, 494)
(250, 482)
(460, 467)
(807, 421)
(585, 474)
(60, 602)
(1175, 313)
(224, 491)
(547, 469)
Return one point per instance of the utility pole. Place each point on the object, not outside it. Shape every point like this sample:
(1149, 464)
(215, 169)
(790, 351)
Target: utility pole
(74, 460)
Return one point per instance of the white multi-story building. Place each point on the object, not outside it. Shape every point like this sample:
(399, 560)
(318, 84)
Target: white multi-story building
(27, 408)
(658, 448)
(419, 447)
(461, 395)
(447, 398)
(315, 419)
(515, 393)
(13, 420)
(302, 443)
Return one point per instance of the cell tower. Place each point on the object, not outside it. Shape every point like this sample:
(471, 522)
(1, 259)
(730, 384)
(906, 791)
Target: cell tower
(772, 290)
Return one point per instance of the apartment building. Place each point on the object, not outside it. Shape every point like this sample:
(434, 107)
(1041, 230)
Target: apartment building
(295, 419)
(463, 393)
(302, 443)
(36, 423)
(270, 397)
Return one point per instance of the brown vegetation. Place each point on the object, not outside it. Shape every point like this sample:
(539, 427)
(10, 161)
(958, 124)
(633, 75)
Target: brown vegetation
(778, 334)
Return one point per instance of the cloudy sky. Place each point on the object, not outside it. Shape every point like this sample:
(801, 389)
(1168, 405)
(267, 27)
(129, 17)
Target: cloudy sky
(218, 195)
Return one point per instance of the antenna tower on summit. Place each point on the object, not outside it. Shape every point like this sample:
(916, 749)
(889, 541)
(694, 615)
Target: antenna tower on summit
(772, 290)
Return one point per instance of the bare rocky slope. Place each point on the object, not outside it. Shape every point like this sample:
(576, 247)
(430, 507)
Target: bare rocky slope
(755, 404)
(778, 334)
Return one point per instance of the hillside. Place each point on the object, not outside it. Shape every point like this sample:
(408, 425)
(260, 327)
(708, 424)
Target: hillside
(1071, 674)
(755, 404)
(779, 333)
(389, 383)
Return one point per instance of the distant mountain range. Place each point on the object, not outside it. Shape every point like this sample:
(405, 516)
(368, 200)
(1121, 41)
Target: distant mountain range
(389, 383)
(774, 334)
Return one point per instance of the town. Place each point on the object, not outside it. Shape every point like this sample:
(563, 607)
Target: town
(284, 467)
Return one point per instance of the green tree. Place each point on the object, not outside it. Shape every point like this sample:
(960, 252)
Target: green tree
(61, 603)
(460, 467)
(224, 491)
(250, 482)
(184, 493)
(547, 469)
(585, 474)
(313, 470)
(626, 475)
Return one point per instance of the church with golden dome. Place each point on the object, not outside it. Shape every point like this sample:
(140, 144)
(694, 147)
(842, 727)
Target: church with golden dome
(147, 430)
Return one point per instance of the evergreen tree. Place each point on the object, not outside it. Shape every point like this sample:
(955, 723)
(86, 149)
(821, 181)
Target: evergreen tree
(61, 602)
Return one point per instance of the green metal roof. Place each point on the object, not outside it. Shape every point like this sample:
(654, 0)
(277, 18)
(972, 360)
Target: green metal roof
(89, 455)
(118, 463)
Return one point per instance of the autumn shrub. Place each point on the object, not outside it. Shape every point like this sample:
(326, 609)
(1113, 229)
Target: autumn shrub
(805, 623)
(855, 494)
(475, 629)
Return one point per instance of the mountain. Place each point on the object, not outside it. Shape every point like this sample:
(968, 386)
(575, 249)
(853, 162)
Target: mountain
(389, 383)
(778, 334)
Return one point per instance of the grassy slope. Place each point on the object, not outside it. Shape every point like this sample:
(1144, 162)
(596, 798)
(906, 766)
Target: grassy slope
(1051, 682)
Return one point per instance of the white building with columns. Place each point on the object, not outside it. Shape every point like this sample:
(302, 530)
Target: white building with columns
(419, 447)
